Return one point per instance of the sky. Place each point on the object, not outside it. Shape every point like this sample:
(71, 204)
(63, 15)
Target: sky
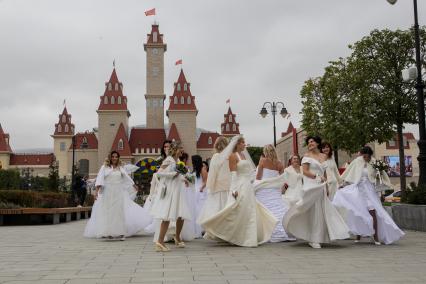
(249, 52)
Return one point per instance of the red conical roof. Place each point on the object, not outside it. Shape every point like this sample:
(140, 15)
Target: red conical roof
(182, 99)
(64, 125)
(121, 143)
(113, 98)
(4, 141)
(230, 127)
(173, 133)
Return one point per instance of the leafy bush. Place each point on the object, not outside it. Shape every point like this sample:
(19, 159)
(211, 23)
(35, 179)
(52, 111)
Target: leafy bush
(415, 194)
(8, 205)
(24, 198)
(90, 199)
(9, 179)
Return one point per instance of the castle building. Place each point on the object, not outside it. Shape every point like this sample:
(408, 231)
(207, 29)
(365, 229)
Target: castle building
(135, 144)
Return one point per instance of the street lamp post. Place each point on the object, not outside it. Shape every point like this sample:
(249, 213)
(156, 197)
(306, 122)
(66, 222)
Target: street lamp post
(273, 106)
(420, 100)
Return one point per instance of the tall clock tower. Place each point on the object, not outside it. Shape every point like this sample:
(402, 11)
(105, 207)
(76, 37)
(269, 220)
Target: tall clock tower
(155, 48)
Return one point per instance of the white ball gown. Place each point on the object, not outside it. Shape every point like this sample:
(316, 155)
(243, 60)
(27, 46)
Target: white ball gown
(333, 177)
(200, 200)
(313, 218)
(272, 199)
(294, 181)
(244, 221)
(358, 198)
(114, 213)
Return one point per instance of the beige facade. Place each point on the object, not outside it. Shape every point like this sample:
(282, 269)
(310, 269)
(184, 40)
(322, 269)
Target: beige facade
(186, 124)
(89, 156)
(37, 170)
(4, 161)
(205, 153)
(108, 123)
(61, 145)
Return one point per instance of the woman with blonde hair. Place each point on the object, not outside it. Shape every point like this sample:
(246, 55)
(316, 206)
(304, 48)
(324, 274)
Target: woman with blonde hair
(218, 182)
(170, 201)
(270, 167)
(114, 213)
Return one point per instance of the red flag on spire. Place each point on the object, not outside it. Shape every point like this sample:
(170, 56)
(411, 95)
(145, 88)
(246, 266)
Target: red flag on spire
(179, 62)
(150, 12)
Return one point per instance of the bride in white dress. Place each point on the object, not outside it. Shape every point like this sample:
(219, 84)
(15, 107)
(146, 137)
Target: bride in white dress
(114, 213)
(294, 181)
(244, 221)
(271, 198)
(313, 218)
(333, 176)
(365, 214)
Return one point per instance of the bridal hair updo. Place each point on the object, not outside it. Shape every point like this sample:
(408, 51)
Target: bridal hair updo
(270, 153)
(220, 143)
(175, 146)
(108, 161)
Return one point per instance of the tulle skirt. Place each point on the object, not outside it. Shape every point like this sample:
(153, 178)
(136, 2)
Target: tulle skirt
(114, 214)
(271, 198)
(355, 201)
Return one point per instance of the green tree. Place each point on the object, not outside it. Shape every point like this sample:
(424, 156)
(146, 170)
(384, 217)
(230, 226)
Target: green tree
(255, 153)
(53, 178)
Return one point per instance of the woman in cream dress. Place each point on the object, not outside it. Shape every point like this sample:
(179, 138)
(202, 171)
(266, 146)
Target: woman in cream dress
(333, 176)
(313, 218)
(365, 214)
(294, 181)
(244, 221)
(271, 198)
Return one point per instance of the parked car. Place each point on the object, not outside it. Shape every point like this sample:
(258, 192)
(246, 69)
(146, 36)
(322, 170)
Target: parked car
(394, 197)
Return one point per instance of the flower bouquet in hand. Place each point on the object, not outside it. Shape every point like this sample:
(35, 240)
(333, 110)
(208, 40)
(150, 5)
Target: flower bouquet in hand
(183, 170)
(380, 167)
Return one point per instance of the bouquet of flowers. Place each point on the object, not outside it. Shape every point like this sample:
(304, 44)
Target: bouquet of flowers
(380, 166)
(183, 170)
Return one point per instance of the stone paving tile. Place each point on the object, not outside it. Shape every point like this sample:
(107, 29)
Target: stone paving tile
(59, 254)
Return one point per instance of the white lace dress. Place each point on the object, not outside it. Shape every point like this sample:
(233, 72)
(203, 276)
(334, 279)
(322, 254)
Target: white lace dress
(357, 200)
(313, 218)
(272, 199)
(244, 221)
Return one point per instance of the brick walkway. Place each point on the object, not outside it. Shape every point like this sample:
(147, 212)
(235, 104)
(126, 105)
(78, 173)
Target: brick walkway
(59, 254)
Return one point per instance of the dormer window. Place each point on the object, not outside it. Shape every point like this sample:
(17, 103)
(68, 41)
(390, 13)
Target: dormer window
(120, 145)
(84, 144)
(154, 36)
(112, 100)
(66, 128)
(227, 127)
(210, 141)
(182, 100)
(223, 128)
(185, 87)
(230, 118)
(59, 128)
(109, 87)
(175, 100)
(234, 127)
(64, 119)
(188, 100)
(119, 100)
(116, 86)
(178, 87)
(121, 86)
(106, 100)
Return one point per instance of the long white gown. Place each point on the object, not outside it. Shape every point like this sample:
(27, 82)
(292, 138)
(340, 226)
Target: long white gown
(272, 199)
(358, 199)
(244, 221)
(333, 177)
(114, 213)
(200, 200)
(295, 185)
(313, 218)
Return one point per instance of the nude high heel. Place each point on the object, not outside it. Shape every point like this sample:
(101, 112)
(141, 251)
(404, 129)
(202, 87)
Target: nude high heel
(159, 247)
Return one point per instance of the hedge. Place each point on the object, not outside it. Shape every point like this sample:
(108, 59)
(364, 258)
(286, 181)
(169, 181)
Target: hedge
(25, 198)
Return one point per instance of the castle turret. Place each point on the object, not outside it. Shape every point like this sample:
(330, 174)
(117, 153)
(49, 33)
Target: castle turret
(62, 140)
(230, 127)
(5, 150)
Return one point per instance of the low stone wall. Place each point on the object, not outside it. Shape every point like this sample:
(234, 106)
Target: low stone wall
(408, 216)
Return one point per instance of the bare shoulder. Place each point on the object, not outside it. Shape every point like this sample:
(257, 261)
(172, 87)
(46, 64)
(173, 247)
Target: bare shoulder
(233, 157)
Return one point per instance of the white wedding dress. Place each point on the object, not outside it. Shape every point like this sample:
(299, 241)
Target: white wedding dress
(272, 199)
(313, 218)
(333, 177)
(200, 200)
(294, 181)
(244, 221)
(114, 213)
(358, 199)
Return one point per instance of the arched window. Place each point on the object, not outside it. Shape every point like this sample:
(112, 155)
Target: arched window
(178, 87)
(109, 87)
(120, 145)
(154, 36)
(64, 119)
(185, 87)
(106, 100)
(227, 127)
(182, 100)
(84, 143)
(119, 100)
(210, 140)
(188, 100)
(66, 128)
(230, 118)
(83, 167)
(234, 127)
(175, 100)
(59, 128)
(116, 86)
(112, 100)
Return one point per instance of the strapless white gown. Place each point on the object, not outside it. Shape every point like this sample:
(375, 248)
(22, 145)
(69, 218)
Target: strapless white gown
(314, 218)
(244, 221)
(357, 200)
(272, 199)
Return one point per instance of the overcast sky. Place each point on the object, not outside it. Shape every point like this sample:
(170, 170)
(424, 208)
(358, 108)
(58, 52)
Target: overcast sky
(248, 51)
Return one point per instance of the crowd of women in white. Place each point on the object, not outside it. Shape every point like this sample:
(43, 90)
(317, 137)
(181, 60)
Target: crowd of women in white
(233, 201)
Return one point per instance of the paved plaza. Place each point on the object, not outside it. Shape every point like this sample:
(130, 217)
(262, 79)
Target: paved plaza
(56, 254)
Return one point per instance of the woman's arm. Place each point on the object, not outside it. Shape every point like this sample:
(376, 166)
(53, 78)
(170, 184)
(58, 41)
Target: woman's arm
(259, 173)
(233, 161)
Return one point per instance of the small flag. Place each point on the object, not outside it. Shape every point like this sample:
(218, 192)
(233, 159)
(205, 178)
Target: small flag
(179, 62)
(228, 101)
(113, 63)
(150, 12)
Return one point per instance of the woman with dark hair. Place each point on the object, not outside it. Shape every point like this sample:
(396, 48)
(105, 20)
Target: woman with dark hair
(165, 149)
(114, 214)
(365, 215)
(313, 218)
(200, 172)
(333, 176)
